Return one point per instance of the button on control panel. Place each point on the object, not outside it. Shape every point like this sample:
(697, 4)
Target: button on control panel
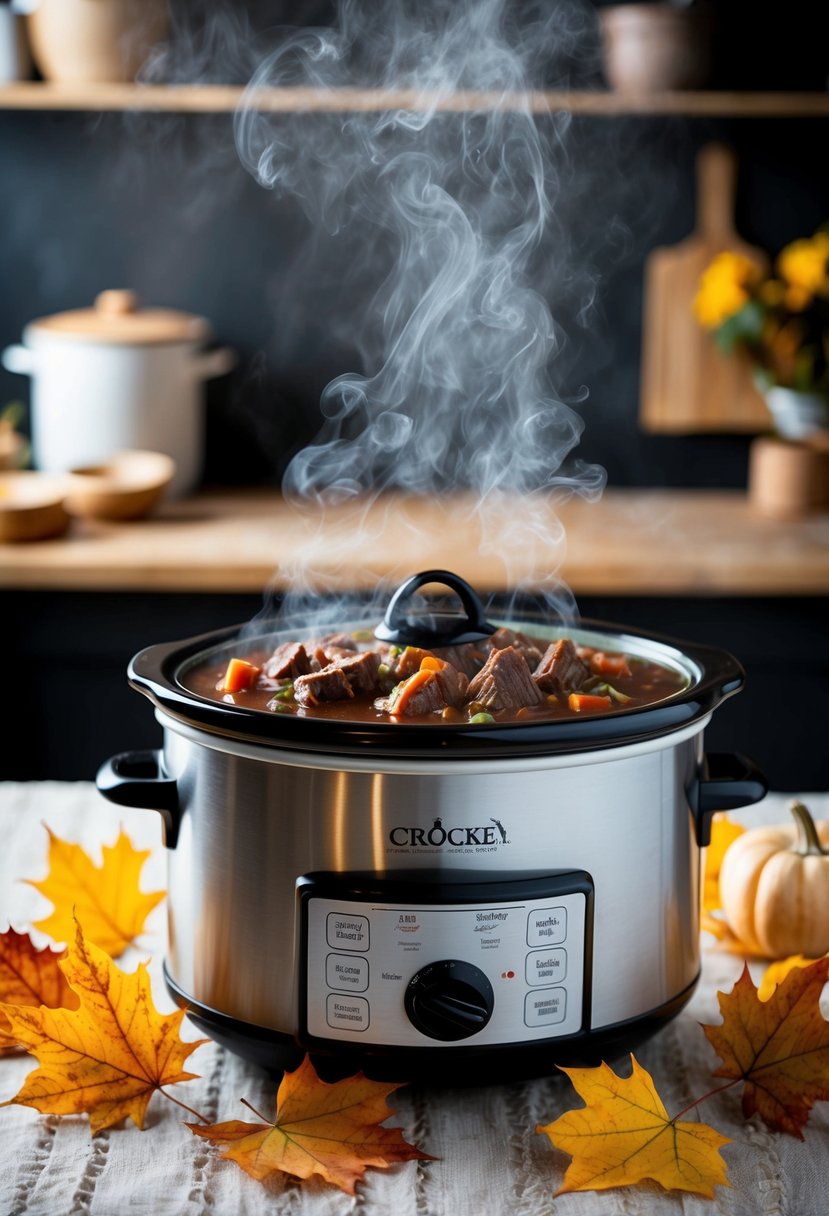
(346, 932)
(345, 972)
(347, 1012)
(408, 972)
(547, 927)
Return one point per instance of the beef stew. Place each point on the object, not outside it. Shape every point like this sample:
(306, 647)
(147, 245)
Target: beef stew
(506, 677)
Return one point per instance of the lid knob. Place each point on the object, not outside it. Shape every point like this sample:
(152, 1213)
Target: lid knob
(434, 628)
(116, 303)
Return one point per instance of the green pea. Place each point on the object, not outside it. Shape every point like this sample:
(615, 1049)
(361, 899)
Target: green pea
(481, 717)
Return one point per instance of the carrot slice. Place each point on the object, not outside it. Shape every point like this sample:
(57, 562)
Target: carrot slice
(433, 663)
(582, 702)
(408, 688)
(240, 675)
(609, 664)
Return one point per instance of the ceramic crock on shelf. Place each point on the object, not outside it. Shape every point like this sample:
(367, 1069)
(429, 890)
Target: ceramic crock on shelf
(649, 48)
(95, 41)
(118, 377)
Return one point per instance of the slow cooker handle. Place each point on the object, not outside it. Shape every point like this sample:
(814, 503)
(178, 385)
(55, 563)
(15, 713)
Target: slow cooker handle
(414, 631)
(727, 782)
(135, 779)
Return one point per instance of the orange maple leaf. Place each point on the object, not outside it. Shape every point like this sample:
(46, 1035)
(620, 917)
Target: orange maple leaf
(107, 1057)
(106, 899)
(29, 976)
(624, 1135)
(778, 1046)
(320, 1128)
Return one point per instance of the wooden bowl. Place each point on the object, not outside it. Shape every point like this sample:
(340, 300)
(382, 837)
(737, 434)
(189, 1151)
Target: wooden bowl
(31, 506)
(127, 487)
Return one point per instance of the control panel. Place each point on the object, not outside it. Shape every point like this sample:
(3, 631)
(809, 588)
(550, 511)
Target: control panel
(499, 962)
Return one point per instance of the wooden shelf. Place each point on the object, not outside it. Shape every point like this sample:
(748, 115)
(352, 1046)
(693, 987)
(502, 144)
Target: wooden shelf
(224, 99)
(631, 542)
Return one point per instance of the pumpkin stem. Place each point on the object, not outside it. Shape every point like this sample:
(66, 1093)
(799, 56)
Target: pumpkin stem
(808, 843)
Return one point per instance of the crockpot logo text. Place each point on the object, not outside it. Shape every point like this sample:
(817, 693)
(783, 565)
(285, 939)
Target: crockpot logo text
(480, 837)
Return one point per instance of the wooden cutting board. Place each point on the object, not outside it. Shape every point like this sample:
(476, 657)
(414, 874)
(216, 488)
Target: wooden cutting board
(688, 385)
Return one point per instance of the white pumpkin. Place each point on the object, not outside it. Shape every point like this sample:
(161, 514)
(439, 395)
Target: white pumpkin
(774, 887)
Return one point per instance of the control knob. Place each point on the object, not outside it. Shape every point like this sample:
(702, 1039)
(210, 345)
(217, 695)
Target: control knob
(449, 1000)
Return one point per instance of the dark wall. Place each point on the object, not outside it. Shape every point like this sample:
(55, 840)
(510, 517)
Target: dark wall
(161, 204)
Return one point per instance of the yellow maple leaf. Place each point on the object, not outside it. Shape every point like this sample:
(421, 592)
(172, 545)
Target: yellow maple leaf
(29, 976)
(107, 1057)
(776, 972)
(320, 1128)
(724, 832)
(623, 1135)
(106, 899)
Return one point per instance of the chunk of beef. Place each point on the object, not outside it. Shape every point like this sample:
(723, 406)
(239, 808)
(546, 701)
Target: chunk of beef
(323, 656)
(468, 657)
(330, 684)
(531, 649)
(342, 641)
(504, 682)
(425, 698)
(326, 649)
(361, 671)
(452, 684)
(288, 661)
(561, 670)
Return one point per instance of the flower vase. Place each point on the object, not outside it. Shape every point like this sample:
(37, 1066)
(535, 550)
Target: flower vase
(796, 414)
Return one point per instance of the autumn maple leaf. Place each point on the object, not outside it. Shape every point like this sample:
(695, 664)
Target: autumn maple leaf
(106, 899)
(320, 1128)
(777, 971)
(624, 1135)
(724, 832)
(107, 1057)
(778, 1046)
(29, 976)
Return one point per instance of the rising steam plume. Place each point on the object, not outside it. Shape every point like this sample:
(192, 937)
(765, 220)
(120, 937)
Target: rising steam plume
(447, 217)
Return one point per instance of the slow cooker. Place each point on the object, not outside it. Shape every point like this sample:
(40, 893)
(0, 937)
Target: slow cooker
(445, 902)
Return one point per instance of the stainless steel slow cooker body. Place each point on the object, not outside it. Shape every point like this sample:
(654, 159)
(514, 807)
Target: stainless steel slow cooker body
(413, 900)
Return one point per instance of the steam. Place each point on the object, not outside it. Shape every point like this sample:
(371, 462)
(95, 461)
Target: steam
(446, 215)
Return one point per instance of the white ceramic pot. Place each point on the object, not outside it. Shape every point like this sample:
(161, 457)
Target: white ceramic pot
(117, 377)
(795, 414)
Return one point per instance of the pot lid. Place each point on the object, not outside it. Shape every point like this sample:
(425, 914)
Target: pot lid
(118, 318)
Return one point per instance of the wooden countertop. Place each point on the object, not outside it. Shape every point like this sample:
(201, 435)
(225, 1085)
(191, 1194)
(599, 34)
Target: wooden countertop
(630, 542)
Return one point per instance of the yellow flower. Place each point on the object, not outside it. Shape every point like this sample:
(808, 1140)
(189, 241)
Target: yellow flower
(797, 298)
(724, 288)
(772, 292)
(805, 267)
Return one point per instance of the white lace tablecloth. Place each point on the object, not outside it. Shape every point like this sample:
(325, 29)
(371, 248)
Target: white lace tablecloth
(491, 1161)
